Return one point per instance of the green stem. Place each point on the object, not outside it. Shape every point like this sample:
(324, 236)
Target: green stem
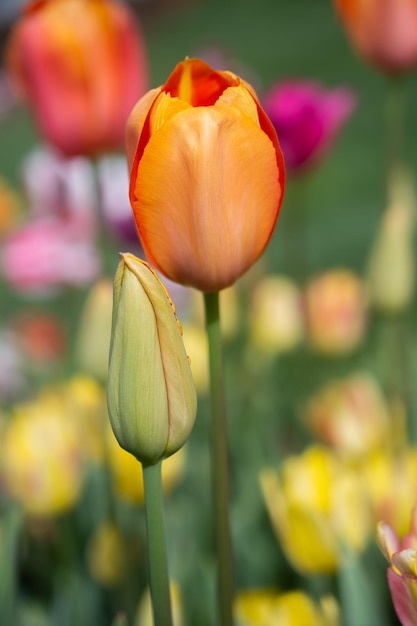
(394, 122)
(297, 245)
(219, 461)
(156, 544)
(12, 529)
(397, 377)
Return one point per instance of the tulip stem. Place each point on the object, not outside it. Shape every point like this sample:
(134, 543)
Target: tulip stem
(397, 377)
(12, 528)
(219, 461)
(157, 545)
(395, 114)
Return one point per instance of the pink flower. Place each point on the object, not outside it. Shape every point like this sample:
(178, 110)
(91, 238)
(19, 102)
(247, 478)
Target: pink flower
(48, 254)
(336, 309)
(60, 187)
(383, 32)
(113, 179)
(81, 66)
(402, 573)
(307, 118)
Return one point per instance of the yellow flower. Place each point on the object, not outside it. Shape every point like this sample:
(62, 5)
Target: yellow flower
(390, 479)
(85, 403)
(266, 607)
(195, 341)
(42, 461)
(93, 340)
(106, 552)
(144, 617)
(276, 315)
(317, 505)
(391, 272)
(128, 476)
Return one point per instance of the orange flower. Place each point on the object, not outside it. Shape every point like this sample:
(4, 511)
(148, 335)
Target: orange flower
(383, 32)
(81, 66)
(207, 176)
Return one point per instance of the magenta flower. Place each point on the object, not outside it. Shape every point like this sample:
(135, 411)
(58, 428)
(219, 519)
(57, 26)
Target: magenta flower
(307, 118)
(402, 573)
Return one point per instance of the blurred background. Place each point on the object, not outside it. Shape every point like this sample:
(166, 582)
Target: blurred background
(320, 346)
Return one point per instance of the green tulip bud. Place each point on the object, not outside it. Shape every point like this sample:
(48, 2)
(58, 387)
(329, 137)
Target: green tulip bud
(151, 394)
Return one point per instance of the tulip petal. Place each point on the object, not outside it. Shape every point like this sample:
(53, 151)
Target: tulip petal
(216, 200)
(136, 122)
(240, 98)
(198, 83)
(405, 562)
(403, 599)
(163, 109)
(387, 540)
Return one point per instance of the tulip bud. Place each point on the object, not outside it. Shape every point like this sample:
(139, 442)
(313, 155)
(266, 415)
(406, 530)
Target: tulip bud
(105, 553)
(350, 415)
(336, 312)
(94, 330)
(275, 316)
(151, 394)
(391, 273)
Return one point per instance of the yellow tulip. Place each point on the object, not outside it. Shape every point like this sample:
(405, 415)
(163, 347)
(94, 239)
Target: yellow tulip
(266, 607)
(85, 405)
(94, 331)
(316, 506)
(276, 316)
(143, 616)
(391, 482)
(127, 473)
(41, 458)
(391, 271)
(206, 176)
(106, 553)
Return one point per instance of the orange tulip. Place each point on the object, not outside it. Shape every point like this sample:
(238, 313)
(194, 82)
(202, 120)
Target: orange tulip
(81, 66)
(384, 32)
(207, 176)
